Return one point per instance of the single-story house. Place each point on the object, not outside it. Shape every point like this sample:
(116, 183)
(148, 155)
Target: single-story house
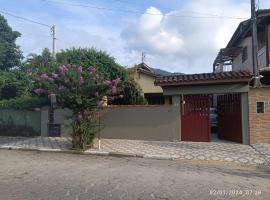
(145, 76)
(243, 111)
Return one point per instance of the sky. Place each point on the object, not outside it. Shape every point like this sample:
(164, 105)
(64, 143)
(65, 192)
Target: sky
(176, 35)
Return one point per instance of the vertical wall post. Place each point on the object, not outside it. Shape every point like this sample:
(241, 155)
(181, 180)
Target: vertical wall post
(176, 101)
(245, 118)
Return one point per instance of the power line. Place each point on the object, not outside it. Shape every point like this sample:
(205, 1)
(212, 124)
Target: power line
(25, 19)
(211, 16)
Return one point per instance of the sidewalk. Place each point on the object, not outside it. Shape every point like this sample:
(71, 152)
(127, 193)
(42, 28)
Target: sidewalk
(36, 143)
(214, 151)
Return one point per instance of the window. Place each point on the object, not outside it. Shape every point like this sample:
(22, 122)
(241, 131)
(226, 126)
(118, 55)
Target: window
(244, 54)
(260, 107)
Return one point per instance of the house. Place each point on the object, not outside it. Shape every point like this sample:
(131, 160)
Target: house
(145, 76)
(237, 55)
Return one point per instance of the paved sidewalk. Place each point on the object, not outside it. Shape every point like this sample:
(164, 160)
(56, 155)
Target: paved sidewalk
(214, 151)
(264, 149)
(36, 143)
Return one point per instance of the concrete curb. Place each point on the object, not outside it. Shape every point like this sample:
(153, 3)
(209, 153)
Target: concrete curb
(161, 157)
(96, 152)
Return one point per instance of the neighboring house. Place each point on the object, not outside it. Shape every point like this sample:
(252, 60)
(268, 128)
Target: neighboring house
(238, 53)
(145, 78)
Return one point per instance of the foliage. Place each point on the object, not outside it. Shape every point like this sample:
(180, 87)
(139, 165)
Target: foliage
(84, 132)
(24, 102)
(82, 90)
(39, 61)
(10, 54)
(105, 65)
(14, 84)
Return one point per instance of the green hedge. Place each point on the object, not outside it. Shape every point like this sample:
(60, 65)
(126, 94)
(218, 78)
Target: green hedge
(24, 102)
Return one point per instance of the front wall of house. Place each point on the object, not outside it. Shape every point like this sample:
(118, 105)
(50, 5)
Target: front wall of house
(147, 84)
(259, 124)
(247, 65)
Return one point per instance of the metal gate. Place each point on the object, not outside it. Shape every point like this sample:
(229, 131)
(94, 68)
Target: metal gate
(195, 119)
(229, 117)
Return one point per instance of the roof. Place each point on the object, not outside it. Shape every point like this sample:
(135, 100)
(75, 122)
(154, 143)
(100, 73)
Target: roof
(145, 69)
(204, 78)
(245, 27)
(243, 30)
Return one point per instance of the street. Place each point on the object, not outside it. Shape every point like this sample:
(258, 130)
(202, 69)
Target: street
(31, 175)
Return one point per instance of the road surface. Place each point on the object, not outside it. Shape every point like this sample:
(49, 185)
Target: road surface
(30, 175)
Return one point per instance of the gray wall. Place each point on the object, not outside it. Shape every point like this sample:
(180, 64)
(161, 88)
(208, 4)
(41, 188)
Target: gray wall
(160, 123)
(21, 118)
(61, 116)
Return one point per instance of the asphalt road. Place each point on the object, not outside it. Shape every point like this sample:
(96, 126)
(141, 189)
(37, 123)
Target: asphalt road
(26, 175)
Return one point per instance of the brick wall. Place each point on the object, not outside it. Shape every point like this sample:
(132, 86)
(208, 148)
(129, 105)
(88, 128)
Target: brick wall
(259, 124)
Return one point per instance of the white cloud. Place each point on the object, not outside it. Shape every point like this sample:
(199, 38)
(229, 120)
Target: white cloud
(185, 44)
(149, 34)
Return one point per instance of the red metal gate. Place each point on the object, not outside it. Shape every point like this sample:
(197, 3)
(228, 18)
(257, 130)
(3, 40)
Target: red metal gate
(229, 117)
(195, 120)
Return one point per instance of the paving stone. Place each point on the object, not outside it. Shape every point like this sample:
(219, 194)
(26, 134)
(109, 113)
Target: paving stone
(259, 154)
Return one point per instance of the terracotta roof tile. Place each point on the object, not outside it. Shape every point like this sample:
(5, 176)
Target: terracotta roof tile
(204, 78)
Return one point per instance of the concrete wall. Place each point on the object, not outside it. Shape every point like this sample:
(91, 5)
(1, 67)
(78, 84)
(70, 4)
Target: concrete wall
(61, 116)
(21, 118)
(156, 123)
(259, 124)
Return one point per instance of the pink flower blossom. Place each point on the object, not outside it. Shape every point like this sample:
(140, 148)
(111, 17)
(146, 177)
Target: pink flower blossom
(106, 83)
(44, 76)
(79, 69)
(39, 91)
(96, 94)
(61, 88)
(81, 79)
(62, 70)
(114, 89)
(116, 81)
(93, 69)
(121, 96)
(100, 102)
(68, 65)
(54, 75)
(36, 109)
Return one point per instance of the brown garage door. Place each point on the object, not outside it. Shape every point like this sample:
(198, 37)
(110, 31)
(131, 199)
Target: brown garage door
(195, 119)
(229, 117)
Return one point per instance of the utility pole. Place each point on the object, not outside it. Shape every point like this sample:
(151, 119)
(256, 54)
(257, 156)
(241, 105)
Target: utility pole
(53, 42)
(257, 82)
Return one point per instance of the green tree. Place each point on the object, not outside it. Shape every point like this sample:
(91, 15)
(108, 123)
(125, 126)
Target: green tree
(10, 54)
(37, 61)
(14, 84)
(87, 57)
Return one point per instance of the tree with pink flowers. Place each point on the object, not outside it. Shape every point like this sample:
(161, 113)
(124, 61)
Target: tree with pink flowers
(81, 89)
